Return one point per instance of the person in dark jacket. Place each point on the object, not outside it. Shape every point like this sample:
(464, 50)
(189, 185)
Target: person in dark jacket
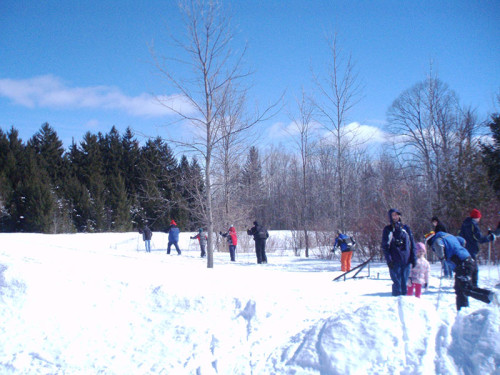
(173, 237)
(146, 237)
(472, 234)
(346, 245)
(260, 236)
(439, 227)
(451, 248)
(202, 239)
(232, 240)
(399, 251)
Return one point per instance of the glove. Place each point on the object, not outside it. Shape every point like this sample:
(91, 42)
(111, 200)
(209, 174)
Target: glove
(220, 233)
(390, 264)
(333, 250)
(491, 237)
(426, 285)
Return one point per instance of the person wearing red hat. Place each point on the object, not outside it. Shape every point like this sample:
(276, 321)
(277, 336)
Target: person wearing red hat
(472, 234)
(173, 237)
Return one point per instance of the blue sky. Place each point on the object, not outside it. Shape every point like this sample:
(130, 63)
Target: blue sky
(86, 65)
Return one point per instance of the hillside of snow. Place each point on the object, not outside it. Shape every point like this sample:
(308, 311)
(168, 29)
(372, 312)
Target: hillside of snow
(99, 304)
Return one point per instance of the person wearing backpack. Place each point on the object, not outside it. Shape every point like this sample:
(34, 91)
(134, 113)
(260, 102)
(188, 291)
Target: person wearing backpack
(146, 237)
(202, 239)
(346, 245)
(398, 247)
(260, 235)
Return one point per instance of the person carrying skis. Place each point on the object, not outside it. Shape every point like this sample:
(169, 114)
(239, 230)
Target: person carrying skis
(232, 240)
(398, 247)
(451, 248)
(346, 245)
(173, 237)
(471, 233)
(439, 227)
(419, 275)
(260, 236)
(146, 237)
(202, 239)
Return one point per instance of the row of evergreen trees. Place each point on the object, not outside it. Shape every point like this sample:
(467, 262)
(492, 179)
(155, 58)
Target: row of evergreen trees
(104, 183)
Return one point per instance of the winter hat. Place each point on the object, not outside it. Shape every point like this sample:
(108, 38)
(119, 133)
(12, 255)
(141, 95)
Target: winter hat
(173, 222)
(435, 218)
(200, 230)
(255, 223)
(429, 236)
(420, 248)
(475, 214)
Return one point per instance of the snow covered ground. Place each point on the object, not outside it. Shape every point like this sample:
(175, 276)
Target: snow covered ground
(94, 304)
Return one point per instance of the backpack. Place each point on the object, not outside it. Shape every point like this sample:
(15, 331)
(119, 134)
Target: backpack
(262, 233)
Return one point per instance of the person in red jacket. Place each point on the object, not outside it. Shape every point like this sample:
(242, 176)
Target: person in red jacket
(232, 240)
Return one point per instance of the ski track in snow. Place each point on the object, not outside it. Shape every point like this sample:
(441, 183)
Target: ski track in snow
(80, 304)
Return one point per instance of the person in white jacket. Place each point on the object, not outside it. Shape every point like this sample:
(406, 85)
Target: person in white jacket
(419, 275)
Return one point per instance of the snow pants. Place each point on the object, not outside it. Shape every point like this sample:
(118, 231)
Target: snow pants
(417, 288)
(464, 284)
(260, 250)
(345, 261)
(176, 247)
(232, 252)
(399, 276)
(202, 249)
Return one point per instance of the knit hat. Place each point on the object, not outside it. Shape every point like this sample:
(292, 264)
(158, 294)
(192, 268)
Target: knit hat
(435, 218)
(200, 230)
(428, 237)
(420, 248)
(173, 222)
(475, 214)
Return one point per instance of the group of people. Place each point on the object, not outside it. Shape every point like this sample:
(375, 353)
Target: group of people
(409, 270)
(259, 233)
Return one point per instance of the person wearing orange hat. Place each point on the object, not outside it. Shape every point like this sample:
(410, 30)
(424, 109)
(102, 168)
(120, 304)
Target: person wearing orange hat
(472, 234)
(173, 237)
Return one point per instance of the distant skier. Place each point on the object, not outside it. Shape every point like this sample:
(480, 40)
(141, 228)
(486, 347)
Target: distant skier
(260, 236)
(439, 227)
(399, 251)
(146, 237)
(451, 248)
(202, 239)
(173, 237)
(232, 240)
(346, 244)
(471, 233)
(419, 275)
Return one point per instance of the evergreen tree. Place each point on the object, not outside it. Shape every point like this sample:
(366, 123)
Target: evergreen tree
(253, 195)
(491, 154)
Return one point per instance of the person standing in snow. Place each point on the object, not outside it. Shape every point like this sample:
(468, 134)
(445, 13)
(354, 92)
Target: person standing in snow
(398, 247)
(146, 237)
(451, 248)
(202, 239)
(173, 237)
(419, 275)
(260, 236)
(232, 240)
(439, 227)
(346, 245)
(471, 233)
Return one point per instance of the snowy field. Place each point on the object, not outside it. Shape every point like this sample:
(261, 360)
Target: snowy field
(94, 304)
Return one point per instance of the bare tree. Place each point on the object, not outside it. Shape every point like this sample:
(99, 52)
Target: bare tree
(338, 93)
(213, 76)
(303, 127)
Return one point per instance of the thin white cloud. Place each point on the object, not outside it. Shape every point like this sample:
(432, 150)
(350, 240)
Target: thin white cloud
(367, 133)
(49, 91)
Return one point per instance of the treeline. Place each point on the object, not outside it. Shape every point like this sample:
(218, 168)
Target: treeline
(107, 182)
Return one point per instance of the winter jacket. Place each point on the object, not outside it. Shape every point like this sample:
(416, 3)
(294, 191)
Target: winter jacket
(472, 234)
(231, 236)
(449, 247)
(202, 238)
(146, 234)
(397, 243)
(258, 232)
(420, 273)
(345, 242)
(173, 233)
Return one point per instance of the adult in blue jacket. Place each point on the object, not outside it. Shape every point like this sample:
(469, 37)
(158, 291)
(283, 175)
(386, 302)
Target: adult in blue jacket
(451, 248)
(173, 237)
(472, 234)
(399, 251)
